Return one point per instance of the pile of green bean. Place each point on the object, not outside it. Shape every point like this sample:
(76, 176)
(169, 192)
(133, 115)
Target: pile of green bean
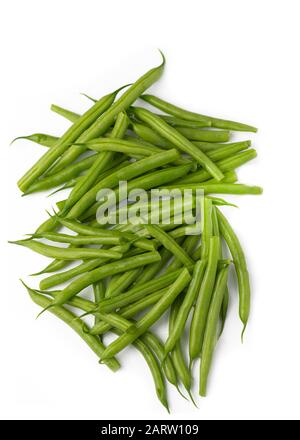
(140, 272)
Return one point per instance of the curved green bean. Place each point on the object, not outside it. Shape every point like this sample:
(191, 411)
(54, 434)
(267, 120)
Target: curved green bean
(211, 330)
(67, 114)
(46, 140)
(196, 134)
(190, 116)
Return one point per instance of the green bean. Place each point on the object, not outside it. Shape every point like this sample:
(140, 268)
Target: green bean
(147, 134)
(137, 292)
(78, 326)
(170, 244)
(220, 188)
(227, 164)
(178, 140)
(177, 356)
(132, 148)
(185, 307)
(46, 140)
(188, 246)
(195, 134)
(54, 280)
(133, 170)
(104, 271)
(203, 301)
(184, 123)
(101, 125)
(155, 369)
(240, 265)
(71, 116)
(190, 116)
(119, 283)
(99, 294)
(67, 253)
(211, 329)
(151, 317)
(54, 266)
(80, 239)
(101, 163)
(127, 312)
(62, 176)
(207, 228)
(224, 311)
(71, 135)
(152, 270)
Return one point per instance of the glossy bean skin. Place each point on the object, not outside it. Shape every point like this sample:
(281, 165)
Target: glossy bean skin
(151, 317)
(132, 148)
(177, 356)
(195, 134)
(220, 188)
(69, 318)
(80, 240)
(240, 265)
(67, 114)
(71, 135)
(177, 122)
(104, 271)
(99, 294)
(186, 306)
(203, 301)
(131, 171)
(101, 163)
(176, 138)
(102, 124)
(190, 116)
(211, 330)
(46, 140)
(207, 228)
(68, 253)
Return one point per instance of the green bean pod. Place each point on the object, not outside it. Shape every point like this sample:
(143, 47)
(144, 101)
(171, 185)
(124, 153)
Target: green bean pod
(67, 114)
(190, 116)
(240, 265)
(46, 140)
(211, 330)
(203, 301)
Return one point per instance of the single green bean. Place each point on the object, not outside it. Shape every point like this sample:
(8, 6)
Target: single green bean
(67, 253)
(177, 356)
(196, 134)
(79, 240)
(184, 123)
(207, 228)
(240, 265)
(46, 140)
(203, 301)
(190, 116)
(67, 114)
(178, 140)
(220, 188)
(210, 336)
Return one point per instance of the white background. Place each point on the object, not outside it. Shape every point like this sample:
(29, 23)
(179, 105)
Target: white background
(235, 59)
